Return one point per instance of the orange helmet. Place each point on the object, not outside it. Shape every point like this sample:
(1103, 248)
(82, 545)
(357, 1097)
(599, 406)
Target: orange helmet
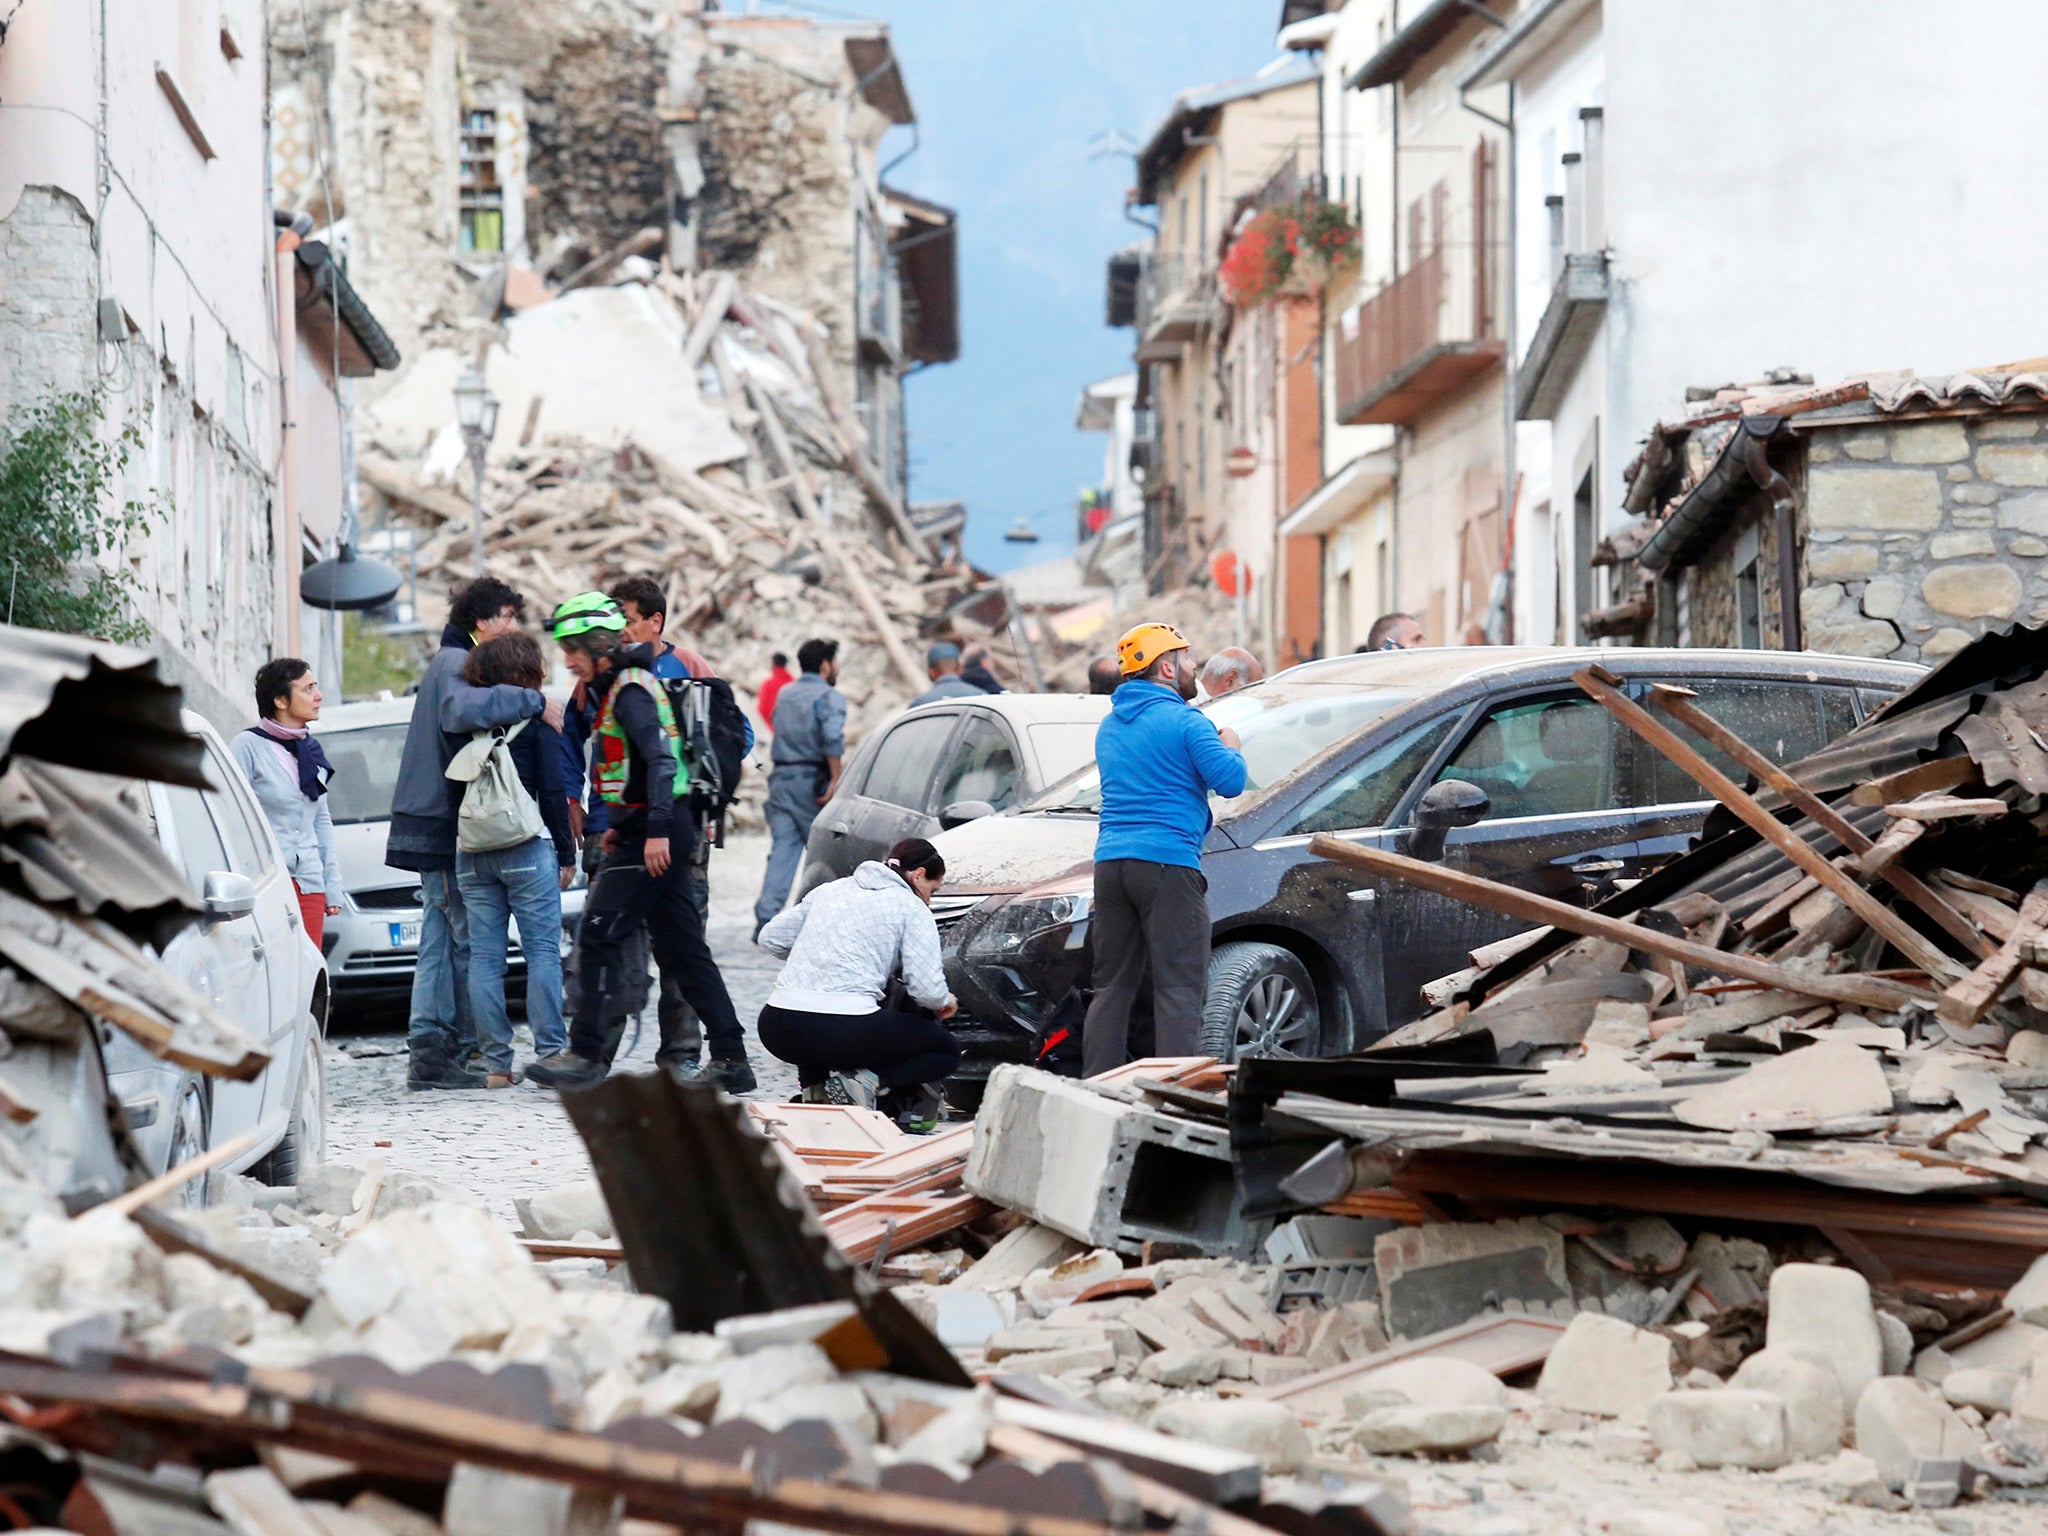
(1146, 644)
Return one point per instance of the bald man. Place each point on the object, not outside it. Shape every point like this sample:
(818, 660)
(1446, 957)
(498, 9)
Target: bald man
(1229, 670)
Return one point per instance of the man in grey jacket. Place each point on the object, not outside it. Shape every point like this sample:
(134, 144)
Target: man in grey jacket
(424, 805)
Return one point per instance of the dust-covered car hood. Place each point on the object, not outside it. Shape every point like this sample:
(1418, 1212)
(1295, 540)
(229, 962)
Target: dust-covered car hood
(1007, 853)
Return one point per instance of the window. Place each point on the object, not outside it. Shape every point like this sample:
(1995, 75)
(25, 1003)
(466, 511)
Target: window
(199, 845)
(482, 198)
(247, 847)
(1364, 794)
(984, 766)
(1837, 713)
(903, 767)
(1780, 721)
(365, 771)
(1548, 758)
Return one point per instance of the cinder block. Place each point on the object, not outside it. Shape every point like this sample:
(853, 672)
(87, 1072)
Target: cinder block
(1107, 1173)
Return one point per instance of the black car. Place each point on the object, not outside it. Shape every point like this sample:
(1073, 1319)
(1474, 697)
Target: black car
(1545, 790)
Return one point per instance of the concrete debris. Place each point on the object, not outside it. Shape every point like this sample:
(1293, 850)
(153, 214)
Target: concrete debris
(1900, 1421)
(1604, 1366)
(575, 1211)
(1264, 1430)
(1815, 1416)
(1823, 1313)
(1736, 1427)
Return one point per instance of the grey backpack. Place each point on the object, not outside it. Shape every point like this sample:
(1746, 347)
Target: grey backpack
(497, 812)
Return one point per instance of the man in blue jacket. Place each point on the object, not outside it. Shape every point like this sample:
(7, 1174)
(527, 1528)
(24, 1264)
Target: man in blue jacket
(1160, 760)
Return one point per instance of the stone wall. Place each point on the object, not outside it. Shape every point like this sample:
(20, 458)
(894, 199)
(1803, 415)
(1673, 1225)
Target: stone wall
(48, 296)
(1919, 534)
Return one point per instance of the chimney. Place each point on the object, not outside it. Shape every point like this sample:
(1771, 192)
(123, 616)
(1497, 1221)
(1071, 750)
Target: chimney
(1574, 205)
(1592, 145)
(1553, 207)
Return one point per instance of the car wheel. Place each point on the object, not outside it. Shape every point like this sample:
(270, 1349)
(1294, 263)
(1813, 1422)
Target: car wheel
(965, 1093)
(1262, 1002)
(304, 1142)
(191, 1134)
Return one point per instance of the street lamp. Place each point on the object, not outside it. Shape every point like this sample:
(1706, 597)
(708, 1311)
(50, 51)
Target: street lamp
(476, 413)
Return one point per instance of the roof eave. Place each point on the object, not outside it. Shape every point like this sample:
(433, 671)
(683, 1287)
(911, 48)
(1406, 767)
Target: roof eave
(1435, 22)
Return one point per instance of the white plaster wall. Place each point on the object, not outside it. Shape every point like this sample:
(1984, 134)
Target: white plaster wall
(1837, 185)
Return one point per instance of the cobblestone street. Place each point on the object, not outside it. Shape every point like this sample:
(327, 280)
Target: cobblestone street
(516, 1141)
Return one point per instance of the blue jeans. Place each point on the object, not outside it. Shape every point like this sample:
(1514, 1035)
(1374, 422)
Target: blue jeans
(792, 807)
(497, 887)
(440, 1029)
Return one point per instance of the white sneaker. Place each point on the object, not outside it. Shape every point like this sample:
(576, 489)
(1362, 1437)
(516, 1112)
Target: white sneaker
(858, 1089)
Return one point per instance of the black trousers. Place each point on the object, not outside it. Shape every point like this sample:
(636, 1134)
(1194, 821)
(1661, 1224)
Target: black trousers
(903, 1050)
(1150, 920)
(622, 898)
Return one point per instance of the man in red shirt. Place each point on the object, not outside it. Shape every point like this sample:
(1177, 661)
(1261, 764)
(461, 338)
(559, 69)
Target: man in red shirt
(771, 685)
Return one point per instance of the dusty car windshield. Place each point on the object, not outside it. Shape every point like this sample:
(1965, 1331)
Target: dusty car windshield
(1281, 730)
(365, 771)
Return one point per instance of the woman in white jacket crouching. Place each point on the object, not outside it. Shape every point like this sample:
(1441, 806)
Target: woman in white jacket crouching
(844, 942)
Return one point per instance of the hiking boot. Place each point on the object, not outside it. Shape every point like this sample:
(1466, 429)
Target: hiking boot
(501, 1080)
(733, 1074)
(432, 1069)
(858, 1090)
(565, 1069)
(916, 1111)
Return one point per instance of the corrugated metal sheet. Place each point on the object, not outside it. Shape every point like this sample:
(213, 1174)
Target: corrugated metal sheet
(86, 704)
(71, 840)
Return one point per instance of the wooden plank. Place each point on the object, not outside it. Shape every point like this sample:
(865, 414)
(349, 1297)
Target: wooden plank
(550, 1248)
(1677, 703)
(1883, 853)
(1529, 907)
(254, 1503)
(176, 1178)
(1942, 773)
(174, 1236)
(724, 288)
(1500, 1343)
(1967, 1001)
(1947, 808)
(1987, 912)
(1605, 687)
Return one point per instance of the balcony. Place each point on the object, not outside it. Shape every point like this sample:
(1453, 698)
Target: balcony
(1177, 301)
(1415, 344)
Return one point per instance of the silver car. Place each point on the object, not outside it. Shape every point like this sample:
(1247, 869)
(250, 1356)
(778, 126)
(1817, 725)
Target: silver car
(373, 944)
(251, 957)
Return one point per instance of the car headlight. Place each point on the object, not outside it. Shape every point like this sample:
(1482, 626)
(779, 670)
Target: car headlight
(1024, 956)
(1019, 923)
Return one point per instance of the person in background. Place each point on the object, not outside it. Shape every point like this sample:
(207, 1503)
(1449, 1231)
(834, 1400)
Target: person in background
(942, 665)
(524, 882)
(1393, 632)
(974, 668)
(1159, 762)
(1104, 675)
(771, 685)
(1474, 633)
(843, 943)
(440, 1033)
(810, 748)
(640, 772)
(284, 763)
(1226, 672)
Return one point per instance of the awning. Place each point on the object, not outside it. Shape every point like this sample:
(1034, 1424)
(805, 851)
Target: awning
(1346, 492)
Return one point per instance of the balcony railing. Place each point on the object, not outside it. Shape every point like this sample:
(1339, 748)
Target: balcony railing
(1177, 299)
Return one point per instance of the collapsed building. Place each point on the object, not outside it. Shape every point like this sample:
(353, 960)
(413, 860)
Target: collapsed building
(639, 219)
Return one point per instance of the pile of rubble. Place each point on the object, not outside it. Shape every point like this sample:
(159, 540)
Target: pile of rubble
(684, 428)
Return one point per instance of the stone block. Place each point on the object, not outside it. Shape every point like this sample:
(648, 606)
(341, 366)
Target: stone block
(1815, 1415)
(328, 1189)
(1181, 1367)
(1051, 1289)
(559, 1214)
(1430, 1383)
(1887, 500)
(1930, 442)
(1849, 635)
(1816, 603)
(958, 1437)
(838, 1403)
(1973, 495)
(2028, 1296)
(1080, 1360)
(2026, 514)
(1884, 598)
(964, 1317)
(1866, 446)
(1018, 1253)
(2004, 429)
(1976, 591)
(1841, 562)
(1900, 1421)
(1823, 1313)
(1242, 1327)
(1272, 1370)
(745, 1385)
(2014, 463)
(484, 1501)
(1897, 1340)
(1985, 1391)
(2027, 547)
(1266, 1431)
(1032, 1339)
(1736, 1427)
(1436, 1276)
(1943, 642)
(1958, 546)
(1402, 1429)
(1604, 1366)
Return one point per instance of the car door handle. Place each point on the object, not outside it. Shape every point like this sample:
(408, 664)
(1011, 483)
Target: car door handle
(1596, 866)
(839, 831)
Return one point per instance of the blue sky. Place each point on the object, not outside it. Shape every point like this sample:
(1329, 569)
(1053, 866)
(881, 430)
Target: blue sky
(1013, 97)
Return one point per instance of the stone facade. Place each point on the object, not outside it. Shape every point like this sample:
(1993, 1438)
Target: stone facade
(47, 299)
(1920, 533)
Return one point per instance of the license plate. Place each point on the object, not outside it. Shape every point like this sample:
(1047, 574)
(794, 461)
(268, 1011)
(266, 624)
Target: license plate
(405, 935)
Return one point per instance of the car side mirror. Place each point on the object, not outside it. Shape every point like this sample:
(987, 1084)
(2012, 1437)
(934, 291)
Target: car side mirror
(1444, 805)
(960, 812)
(228, 896)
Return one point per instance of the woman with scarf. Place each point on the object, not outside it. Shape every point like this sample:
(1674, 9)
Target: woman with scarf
(290, 774)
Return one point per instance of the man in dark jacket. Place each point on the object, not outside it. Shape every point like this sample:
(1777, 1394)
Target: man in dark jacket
(424, 804)
(639, 771)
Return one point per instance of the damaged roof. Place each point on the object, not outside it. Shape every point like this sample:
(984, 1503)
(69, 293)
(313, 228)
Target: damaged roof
(880, 77)
(87, 704)
(927, 251)
(1193, 108)
(362, 346)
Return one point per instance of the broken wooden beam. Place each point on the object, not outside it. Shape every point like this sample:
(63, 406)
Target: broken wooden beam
(1677, 703)
(1942, 773)
(1967, 1001)
(1605, 687)
(1945, 808)
(1514, 902)
(1882, 854)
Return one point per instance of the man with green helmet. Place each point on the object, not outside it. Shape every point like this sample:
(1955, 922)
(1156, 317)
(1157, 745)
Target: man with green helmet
(638, 768)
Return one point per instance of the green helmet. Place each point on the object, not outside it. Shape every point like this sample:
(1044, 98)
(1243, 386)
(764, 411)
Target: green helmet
(584, 612)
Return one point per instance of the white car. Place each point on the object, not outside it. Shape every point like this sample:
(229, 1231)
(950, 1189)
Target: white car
(250, 956)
